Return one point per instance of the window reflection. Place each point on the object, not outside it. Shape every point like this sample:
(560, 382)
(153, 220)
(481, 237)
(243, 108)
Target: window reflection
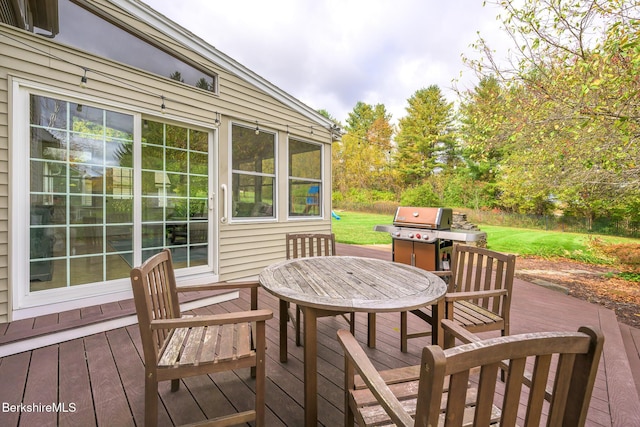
(175, 188)
(82, 194)
(82, 29)
(81, 179)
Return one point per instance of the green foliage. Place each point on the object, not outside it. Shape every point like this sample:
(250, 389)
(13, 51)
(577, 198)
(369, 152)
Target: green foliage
(421, 195)
(202, 83)
(555, 130)
(176, 75)
(425, 137)
(629, 276)
(562, 125)
(360, 158)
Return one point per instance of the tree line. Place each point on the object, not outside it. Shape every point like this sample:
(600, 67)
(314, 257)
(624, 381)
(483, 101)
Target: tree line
(556, 128)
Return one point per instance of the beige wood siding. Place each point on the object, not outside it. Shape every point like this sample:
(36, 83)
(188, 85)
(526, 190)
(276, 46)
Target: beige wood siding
(244, 248)
(4, 193)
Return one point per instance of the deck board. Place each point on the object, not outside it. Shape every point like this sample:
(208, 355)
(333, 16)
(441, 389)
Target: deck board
(42, 386)
(13, 371)
(74, 383)
(103, 374)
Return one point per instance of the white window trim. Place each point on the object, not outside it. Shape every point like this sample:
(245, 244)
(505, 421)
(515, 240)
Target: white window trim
(25, 304)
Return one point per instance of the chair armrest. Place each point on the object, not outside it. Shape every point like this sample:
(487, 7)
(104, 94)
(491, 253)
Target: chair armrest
(218, 285)
(213, 319)
(226, 285)
(441, 273)
(450, 327)
(458, 296)
(369, 374)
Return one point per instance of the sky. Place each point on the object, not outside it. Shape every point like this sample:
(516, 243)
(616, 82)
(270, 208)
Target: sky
(330, 54)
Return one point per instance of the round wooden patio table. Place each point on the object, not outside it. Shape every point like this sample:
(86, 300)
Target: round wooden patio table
(346, 284)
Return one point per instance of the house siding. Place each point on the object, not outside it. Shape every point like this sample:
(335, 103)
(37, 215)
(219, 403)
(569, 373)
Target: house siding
(4, 194)
(244, 247)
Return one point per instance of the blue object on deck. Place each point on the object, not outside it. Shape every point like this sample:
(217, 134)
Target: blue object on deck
(335, 215)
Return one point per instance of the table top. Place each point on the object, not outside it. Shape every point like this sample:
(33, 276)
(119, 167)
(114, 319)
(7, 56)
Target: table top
(344, 283)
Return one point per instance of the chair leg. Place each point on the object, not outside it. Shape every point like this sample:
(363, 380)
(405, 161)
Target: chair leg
(352, 323)
(150, 401)
(403, 331)
(261, 374)
(175, 385)
(298, 331)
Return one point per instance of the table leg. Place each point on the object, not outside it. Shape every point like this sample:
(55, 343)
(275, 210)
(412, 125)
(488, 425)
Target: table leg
(284, 317)
(310, 367)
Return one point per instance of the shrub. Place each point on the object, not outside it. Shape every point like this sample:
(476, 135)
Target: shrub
(626, 255)
(422, 195)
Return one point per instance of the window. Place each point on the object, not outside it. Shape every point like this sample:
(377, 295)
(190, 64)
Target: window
(84, 203)
(82, 29)
(305, 178)
(175, 191)
(80, 193)
(253, 172)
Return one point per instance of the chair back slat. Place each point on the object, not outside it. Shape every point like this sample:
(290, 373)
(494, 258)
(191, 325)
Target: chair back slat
(300, 245)
(156, 297)
(573, 356)
(478, 269)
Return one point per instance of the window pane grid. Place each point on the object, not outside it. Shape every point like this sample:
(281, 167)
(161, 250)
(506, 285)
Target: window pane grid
(82, 197)
(69, 190)
(175, 194)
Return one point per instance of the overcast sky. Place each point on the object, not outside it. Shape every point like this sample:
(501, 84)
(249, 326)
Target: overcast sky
(330, 54)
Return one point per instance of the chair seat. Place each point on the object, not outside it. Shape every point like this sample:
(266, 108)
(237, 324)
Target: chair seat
(465, 313)
(207, 344)
(475, 317)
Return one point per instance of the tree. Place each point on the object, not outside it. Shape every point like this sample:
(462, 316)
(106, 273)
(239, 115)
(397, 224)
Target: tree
(425, 138)
(575, 123)
(202, 83)
(176, 75)
(361, 158)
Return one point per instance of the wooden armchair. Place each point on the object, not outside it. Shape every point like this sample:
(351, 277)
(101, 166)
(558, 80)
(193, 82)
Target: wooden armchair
(300, 245)
(478, 297)
(176, 347)
(460, 386)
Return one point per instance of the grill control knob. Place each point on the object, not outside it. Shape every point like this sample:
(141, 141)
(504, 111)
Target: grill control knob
(417, 235)
(396, 233)
(410, 235)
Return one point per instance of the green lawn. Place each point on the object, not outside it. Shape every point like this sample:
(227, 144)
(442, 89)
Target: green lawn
(357, 228)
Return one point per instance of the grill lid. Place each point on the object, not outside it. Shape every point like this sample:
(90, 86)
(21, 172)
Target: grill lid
(421, 217)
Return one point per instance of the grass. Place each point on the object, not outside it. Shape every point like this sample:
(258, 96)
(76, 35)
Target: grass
(357, 228)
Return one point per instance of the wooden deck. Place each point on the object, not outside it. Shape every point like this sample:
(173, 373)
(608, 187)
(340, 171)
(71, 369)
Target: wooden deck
(99, 378)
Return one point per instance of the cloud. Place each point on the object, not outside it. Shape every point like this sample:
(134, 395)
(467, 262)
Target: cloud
(331, 54)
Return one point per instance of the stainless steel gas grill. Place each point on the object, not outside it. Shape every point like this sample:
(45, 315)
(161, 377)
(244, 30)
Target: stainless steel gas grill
(423, 237)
